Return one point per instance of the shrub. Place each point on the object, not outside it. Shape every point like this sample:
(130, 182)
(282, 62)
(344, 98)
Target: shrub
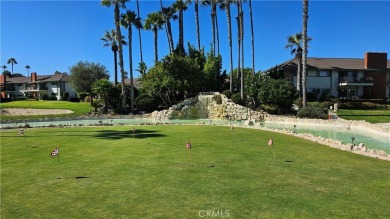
(236, 98)
(311, 112)
(227, 93)
(299, 102)
(362, 105)
(144, 102)
(218, 99)
(74, 99)
(65, 96)
(45, 96)
(271, 108)
(87, 99)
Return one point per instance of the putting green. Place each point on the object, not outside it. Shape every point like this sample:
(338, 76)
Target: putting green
(109, 172)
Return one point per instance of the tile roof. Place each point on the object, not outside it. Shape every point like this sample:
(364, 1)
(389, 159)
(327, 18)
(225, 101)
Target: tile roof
(41, 78)
(328, 64)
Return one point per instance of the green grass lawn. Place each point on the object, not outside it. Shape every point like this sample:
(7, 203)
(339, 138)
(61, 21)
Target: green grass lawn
(373, 116)
(79, 108)
(106, 173)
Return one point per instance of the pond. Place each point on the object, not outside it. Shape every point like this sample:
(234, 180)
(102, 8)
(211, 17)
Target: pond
(370, 140)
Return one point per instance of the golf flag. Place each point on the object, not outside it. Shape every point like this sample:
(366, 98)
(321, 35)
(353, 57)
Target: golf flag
(188, 145)
(54, 153)
(270, 142)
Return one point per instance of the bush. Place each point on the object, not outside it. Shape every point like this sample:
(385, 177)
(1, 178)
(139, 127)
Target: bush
(65, 96)
(236, 98)
(87, 99)
(362, 105)
(271, 108)
(144, 102)
(227, 93)
(45, 96)
(311, 112)
(299, 102)
(74, 99)
(218, 99)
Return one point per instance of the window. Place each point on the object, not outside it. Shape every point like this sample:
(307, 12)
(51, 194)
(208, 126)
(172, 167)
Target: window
(323, 73)
(54, 83)
(53, 94)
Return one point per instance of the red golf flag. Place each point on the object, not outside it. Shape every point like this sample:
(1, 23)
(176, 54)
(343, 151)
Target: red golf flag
(270, 142)
(55, 152)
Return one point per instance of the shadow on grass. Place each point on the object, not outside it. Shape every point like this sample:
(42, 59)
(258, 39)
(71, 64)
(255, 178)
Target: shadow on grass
(138, 133)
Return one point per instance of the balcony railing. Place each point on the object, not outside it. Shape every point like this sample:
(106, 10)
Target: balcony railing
(33, 88)
(364, 81)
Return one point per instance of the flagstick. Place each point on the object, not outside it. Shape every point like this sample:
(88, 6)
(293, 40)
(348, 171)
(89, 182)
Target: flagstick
(273, 151)
(58, 166)
(25, 141)
(190, 158)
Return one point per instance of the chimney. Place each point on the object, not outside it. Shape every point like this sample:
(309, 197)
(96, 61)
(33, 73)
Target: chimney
(376, 60)
(3, 80)
(34, 76)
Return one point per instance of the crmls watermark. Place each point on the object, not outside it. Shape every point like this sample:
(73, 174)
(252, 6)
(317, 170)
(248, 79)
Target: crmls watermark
(214, 213)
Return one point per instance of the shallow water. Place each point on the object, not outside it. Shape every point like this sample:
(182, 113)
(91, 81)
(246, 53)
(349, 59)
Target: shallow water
(370, 140)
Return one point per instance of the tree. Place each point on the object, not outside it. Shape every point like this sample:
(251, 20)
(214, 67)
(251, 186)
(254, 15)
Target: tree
(128, 20)
(154, 22)
(197, 23)
(15, 75)
(213, 13)
(4, 67)
(7, 73)
(12, 61)
(253, 38)
(226, 5)
(139, 33)
(117, 4)
(168, 14)
(181, 6)
(84, 74)
(294, 43)
(27, 67)
(102, 87)
(304, 52)
(110, 39)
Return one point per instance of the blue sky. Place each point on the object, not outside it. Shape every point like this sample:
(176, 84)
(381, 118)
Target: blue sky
(53, 35)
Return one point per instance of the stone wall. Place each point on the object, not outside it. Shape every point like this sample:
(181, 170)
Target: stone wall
(208, 106)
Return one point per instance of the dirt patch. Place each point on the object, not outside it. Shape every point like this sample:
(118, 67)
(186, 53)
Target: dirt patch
(26, 112)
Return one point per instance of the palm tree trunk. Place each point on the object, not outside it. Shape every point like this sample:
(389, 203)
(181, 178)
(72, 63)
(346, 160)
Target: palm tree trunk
(239, 52)
(120, 50)
(299, 74)
(229, 21)
(216, 26)
(253, 38)
(304, 52)
(170, 37)
(115, 67)
(241, 16)
(181, 28)
(139, 36)
(131, 68)
(155, 45)
(166, 28)
(213, 28)
(197, 23)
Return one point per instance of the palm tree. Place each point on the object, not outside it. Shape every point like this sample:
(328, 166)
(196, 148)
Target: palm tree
(117, 4)
(181, 6)
(110, 39)
(294, 43)
(226, 5)
(197, 23)
(241, 20)
(154, 22)
(12, 61)
(128, 20)
(27, 67)
(213, 13)
(168, 14)
(139, 34)
(253, 38)
(4, 67)
(305, 40)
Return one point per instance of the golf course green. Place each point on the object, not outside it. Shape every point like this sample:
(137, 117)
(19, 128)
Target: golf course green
(113, 172)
